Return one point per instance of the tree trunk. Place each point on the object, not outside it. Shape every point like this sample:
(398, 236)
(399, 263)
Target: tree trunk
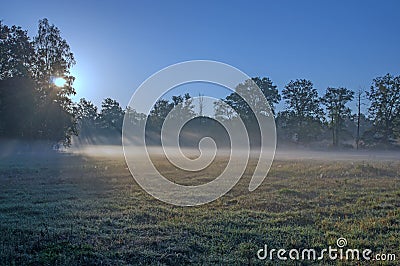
(358, 118)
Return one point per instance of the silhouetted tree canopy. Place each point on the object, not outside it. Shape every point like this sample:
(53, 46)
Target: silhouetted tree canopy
(16, 52)
(247, 89)
(17, 108)
(27, 70)
(303, 115)
(335, 100)
(111, 116)
(86, 113)
(384, 96)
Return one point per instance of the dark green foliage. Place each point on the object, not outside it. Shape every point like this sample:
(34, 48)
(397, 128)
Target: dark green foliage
(302, 119)
(53, 59)
(159, 112)
(16, 52)
(239, 104)
(32, 106)
(302, 99)
(269, 90)
(86, 113)
(17, 108)
(23, 117)
(111, 115)
(183, 110)
(335, 100)
(242, 108)
(384, 96)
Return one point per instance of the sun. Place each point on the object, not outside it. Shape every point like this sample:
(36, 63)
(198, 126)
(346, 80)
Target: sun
(59, 82)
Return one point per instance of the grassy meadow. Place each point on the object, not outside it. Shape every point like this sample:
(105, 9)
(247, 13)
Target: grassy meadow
(75, 209)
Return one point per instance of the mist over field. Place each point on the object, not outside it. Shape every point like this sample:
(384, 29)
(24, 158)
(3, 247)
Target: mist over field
(285, 153)
(116, 152)
(96, 147)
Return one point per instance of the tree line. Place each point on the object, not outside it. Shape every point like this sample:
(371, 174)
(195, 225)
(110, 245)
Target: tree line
(32, 107)
(307, 117)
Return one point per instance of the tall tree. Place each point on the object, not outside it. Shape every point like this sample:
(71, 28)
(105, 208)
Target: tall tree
(86, 114)
(269, 90)
(247, 88)
(303, 112)
(183, 110)
(302, 99)
(27, 65)
(54, 59)
(335, 100)
(384, 96)
(158, 114)
(111, 115)
(183, 105)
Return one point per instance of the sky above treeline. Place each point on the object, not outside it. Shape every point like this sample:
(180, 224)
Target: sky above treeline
(119, 44)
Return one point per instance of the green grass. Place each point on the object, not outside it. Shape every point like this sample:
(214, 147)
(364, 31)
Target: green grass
(74, 210)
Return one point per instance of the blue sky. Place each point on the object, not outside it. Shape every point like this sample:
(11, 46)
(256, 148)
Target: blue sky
(118, 44)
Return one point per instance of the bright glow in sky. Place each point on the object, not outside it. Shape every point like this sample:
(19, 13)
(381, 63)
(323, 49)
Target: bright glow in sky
(59, 82)
(119, 44)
